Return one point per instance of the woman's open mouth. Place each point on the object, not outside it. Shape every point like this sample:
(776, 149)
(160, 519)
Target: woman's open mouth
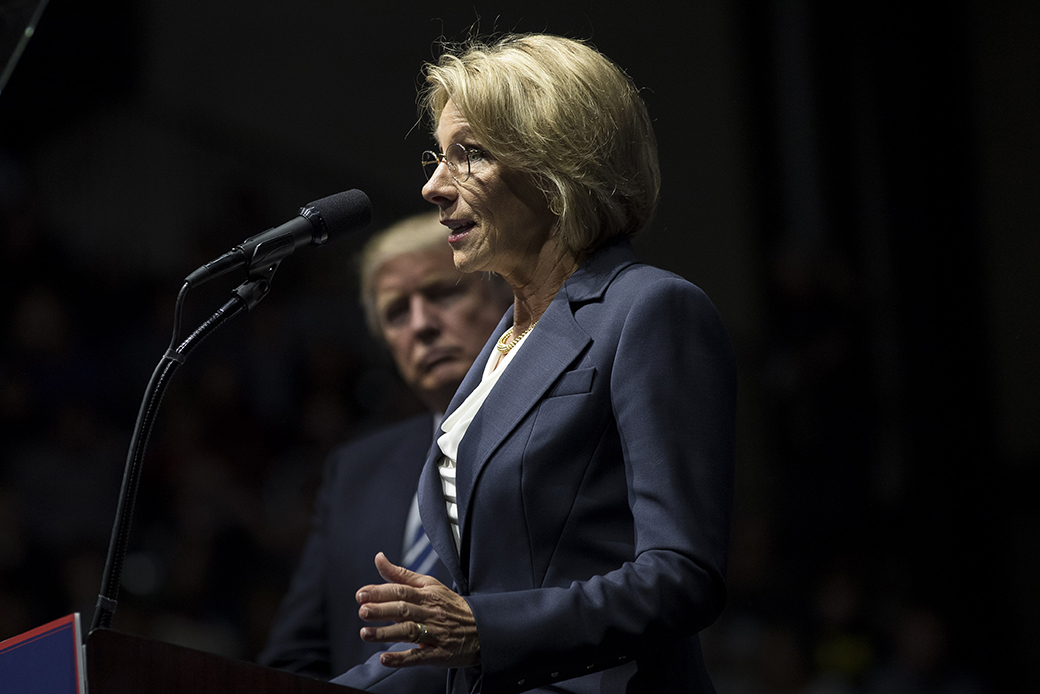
(458, 230)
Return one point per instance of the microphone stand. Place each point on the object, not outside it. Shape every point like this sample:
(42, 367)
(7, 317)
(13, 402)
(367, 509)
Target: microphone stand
(245, 296)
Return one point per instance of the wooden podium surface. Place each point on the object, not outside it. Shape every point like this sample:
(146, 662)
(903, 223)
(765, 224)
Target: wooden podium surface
(121, 664)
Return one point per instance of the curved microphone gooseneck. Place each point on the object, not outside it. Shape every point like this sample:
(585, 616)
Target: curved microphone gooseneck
(260, 255)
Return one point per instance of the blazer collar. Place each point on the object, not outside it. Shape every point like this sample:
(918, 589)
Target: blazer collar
(591, 279)
(554, 345)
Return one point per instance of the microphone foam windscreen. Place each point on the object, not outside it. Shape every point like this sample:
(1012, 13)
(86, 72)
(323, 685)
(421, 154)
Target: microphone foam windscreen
(344, 212)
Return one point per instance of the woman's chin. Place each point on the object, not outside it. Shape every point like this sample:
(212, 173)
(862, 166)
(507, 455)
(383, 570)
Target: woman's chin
(464, 262)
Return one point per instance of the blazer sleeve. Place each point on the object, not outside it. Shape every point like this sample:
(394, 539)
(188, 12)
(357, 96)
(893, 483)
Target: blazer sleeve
(673, 399)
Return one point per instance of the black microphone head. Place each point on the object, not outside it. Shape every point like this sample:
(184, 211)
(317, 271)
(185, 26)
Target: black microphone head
(338, 214)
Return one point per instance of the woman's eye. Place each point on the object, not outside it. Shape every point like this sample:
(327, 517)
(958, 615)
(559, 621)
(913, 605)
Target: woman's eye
(475, 154)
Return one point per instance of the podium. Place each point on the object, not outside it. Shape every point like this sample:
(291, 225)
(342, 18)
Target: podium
(118, 663)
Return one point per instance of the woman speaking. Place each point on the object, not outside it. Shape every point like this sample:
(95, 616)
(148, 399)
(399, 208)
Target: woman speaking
(580, 488)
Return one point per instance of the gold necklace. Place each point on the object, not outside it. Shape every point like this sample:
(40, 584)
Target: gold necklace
(504, 344)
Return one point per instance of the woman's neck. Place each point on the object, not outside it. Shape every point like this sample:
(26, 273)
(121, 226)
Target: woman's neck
(534, 293)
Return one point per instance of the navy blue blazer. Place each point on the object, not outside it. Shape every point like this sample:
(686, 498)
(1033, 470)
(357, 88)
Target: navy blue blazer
(361, 509)
(595, 490)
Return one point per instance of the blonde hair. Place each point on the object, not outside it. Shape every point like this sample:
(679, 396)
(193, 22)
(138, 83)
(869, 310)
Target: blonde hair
(561, 112)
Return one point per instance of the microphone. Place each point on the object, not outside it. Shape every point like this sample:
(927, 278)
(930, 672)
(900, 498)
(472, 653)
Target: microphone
(315, 224)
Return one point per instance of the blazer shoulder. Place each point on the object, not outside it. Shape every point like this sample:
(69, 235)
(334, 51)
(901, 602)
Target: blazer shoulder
(640, 282)
(617, 269)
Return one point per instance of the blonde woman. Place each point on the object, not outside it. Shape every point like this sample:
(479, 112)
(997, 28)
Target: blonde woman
(579, 489)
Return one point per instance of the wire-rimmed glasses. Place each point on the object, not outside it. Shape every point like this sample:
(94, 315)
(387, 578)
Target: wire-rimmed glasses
(456, 157)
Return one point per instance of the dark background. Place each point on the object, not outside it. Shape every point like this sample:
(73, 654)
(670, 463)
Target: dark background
(854, 184)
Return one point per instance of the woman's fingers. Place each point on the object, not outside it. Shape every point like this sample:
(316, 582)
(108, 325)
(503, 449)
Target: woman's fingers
(421, 655)
(423, 611)
(395, 611)
(404, 632)
(398, 574)
(402, 585)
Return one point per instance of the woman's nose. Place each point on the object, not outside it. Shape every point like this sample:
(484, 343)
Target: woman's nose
(440, 189)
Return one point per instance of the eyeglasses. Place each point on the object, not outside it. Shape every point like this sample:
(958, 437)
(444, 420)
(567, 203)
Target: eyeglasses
(456, 157)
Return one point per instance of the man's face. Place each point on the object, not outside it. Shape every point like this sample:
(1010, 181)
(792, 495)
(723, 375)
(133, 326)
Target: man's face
(434, 319)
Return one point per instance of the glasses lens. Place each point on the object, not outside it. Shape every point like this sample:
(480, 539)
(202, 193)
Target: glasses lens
(429, 163)
(458, 162)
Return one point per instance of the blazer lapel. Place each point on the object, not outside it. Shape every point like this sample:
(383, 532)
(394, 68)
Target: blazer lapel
(435, 521)
(548, 351)
(432, 509)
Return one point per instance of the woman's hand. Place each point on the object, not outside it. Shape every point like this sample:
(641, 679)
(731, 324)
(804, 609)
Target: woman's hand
(424, 612)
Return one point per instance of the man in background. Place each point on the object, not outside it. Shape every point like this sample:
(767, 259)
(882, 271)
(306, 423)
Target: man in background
(434, 320)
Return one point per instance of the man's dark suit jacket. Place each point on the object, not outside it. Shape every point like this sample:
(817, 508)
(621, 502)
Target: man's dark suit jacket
(361, 509)
(594, 492)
